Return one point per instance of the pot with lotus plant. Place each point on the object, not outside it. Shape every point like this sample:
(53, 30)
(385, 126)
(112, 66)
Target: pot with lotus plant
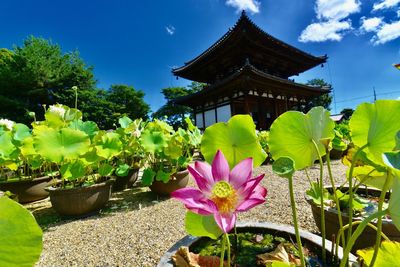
(22, 171)
(226, 188)
(365, 203)
(85, 156)
(131, 157)
(374, 161)
(168, 154)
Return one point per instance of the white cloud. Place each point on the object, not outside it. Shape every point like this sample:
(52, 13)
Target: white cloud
(251, 5)
(323, 31)
(386, 33)
(170, 29)
(370, 24)
(385, 4)
(336, 9)
(398, 13)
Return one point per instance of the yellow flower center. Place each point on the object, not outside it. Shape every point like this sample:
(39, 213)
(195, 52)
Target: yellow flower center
(224, 197)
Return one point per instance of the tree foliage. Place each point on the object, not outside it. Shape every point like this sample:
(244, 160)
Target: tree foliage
(38, 73)
(324, 100)
(173, 112)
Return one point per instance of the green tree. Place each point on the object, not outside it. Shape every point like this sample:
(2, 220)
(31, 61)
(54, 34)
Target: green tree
(38, 73)
(174, 113)
(324, 100)
(347, 112)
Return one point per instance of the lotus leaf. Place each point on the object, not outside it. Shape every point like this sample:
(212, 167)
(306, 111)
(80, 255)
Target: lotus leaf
(105, 169)
(124, 122)
(148, 177)
(162, 176)
(59, 145)
(21, 236)
(153, 141)
(294, 133)
(7, 148)
(283, 167)
(20, 132)
(375, 125)
(88, 127)
(236, 139)
(394, 203)
(315, 193)
(388, 254)
(122, 170)
(200, 225)
(109, 145)
(73, 170)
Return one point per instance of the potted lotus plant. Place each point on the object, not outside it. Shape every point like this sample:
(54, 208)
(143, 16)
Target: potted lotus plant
(304, 138)
(167, 154)
(130, 159)
(225, 188)
(263, 138)
(84, 156)
(23, 171)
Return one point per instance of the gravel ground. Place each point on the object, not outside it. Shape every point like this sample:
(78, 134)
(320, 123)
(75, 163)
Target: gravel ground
(137, 227)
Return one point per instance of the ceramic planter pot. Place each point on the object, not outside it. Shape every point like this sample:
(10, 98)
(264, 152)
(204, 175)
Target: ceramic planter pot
(28, 190)
(80, 200)
(367, 238)
(177, 181)
(287, 232)
(124, 182)
(336, 154)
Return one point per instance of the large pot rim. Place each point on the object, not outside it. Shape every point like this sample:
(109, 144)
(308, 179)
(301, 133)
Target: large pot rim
(52, 189)
(22, 180)
(313, 238)
(344, 214)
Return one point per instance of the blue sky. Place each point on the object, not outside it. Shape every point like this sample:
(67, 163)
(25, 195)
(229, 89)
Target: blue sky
(138, 42)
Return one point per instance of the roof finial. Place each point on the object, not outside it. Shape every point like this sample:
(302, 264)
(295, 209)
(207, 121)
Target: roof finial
(244, 13)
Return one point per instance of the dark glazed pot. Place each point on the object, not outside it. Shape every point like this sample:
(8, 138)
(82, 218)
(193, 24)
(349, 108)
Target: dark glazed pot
(308, 240)
(336, 154)
(80, 200)
(177, 181)
(28, 190)
(368, 236)
(124, 182)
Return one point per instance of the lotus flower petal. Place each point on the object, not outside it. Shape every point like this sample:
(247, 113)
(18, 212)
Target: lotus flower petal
(220, 167)
(241, 173)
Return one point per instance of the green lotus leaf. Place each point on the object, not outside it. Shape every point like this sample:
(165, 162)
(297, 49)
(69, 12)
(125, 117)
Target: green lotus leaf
(394, 203)
(109, 145)
(236, 139)
(369, 175)
(27, 148)
(392, 160)
(284, 167)
(316, 194)
(88, 127)
(58, 145)
(105, 169)
(148, 177)
(74, 170)
(72, 114)
(376, 126)
(153, 141)
(174, 148)
(162, 176)
(124, 122)
(7, 148)
(122, 170)
(20, 132)
(388, 254)
(294, 133)
(20, 235)
(200, 225)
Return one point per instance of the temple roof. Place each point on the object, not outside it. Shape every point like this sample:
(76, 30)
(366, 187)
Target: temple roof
(247, 78)
(247, 42)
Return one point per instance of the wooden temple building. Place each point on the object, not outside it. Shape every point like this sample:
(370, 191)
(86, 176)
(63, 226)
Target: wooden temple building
(247, 72)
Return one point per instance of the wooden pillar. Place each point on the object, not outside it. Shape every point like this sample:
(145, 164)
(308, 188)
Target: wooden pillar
(286, 102)
(276, 107)
(246, 105)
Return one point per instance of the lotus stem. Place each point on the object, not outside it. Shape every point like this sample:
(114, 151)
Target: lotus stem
(221, 261)
(357, 233)
(379, 224)
(308, 177)
(350, 179)
(228, 247)
(296, 226)
(321, 185)
(328, 161)
(341, 231)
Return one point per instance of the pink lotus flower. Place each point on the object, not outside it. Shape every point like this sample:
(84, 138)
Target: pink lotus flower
(222, 192)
